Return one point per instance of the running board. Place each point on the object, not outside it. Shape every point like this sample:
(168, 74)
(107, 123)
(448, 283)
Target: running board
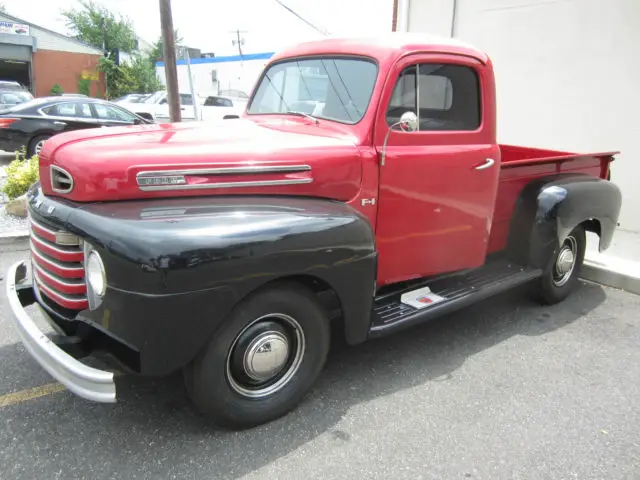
(445, 295)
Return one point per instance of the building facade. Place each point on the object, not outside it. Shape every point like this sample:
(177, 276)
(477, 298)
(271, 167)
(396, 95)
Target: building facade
(566, 71)
(39, 58)
(213, 75)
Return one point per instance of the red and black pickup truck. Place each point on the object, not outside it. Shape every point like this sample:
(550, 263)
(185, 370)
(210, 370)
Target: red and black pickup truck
(362, 191)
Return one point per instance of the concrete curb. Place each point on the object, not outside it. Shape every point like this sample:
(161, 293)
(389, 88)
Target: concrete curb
(611, 275)
(15, 241)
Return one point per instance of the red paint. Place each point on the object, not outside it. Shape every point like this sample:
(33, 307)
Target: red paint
(43, 232)
(57, 253)
(521, 165)
(435, 208)
(64, 287)
(67, 272)
(432, 210)
(104, 162)
(72, 304)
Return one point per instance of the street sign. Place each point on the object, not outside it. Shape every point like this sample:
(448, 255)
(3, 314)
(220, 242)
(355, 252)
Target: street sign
(90, 75)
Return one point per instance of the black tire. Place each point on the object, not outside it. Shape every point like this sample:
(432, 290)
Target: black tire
(553, 287)
(217, 380)
(33, 143)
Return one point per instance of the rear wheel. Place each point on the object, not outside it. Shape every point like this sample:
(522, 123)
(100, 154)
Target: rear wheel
(264, 359)
(561, 276)
(36, 144)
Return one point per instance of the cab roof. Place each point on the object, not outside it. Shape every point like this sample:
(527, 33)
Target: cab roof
(383, 47)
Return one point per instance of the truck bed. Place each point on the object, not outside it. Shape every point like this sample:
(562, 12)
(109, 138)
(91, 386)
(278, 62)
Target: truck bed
(520, 165)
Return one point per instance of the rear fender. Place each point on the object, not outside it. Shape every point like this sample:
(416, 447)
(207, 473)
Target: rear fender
(549, 208)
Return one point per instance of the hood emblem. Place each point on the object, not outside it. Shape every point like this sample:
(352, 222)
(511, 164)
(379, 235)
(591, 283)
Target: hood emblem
(177, 179)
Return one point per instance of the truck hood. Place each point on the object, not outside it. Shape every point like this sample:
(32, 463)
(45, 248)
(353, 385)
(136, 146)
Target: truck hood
(290, 157)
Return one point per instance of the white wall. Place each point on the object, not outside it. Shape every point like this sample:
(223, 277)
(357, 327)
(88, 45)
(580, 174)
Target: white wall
(567, 74)
(433, 16)
(234, 74)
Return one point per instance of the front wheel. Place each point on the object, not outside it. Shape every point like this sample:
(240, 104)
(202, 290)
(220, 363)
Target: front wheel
(263, 361)
(561, 276)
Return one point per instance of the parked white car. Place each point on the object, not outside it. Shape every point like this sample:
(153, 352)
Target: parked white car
(210, 107)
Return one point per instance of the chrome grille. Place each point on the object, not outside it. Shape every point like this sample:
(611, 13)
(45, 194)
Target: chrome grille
(58, 267)
(61, 180)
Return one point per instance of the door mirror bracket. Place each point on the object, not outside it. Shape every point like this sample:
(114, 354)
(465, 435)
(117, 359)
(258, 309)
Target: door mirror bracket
(408, 123)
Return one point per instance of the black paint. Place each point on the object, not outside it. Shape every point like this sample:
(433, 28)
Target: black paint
(550, 207)
(176, 267)
(32, 123)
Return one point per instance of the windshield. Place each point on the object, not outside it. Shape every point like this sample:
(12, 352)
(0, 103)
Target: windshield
(334, 88)
(155, 98)
(14, 97)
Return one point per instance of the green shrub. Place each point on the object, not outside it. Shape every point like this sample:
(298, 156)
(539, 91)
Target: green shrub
(84, 86)
(21, 174)
(56, 90)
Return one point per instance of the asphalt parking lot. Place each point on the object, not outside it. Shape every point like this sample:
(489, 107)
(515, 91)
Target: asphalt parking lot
(506, 389)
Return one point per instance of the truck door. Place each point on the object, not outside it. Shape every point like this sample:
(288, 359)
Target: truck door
(439, 182)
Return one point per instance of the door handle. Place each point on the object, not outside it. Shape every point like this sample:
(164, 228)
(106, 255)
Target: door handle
(488, 163)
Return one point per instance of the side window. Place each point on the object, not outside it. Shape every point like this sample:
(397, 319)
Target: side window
(108, 112)
(444, 96)
(186, 99)
(217, 102)
(69, 109)
(403, 98)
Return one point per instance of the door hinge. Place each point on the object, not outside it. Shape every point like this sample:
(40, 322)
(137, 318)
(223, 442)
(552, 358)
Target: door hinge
(367, 201)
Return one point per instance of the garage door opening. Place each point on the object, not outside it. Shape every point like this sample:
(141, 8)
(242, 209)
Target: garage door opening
(17, 71)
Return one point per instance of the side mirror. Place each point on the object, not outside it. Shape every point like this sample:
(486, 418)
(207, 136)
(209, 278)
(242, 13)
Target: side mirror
(408, 123)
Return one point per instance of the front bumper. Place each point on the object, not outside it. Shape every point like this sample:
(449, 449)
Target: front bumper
(86, 382)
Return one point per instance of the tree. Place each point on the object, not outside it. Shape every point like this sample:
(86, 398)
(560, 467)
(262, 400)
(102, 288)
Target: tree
(144, 72)
(156, 53)
(98, 27)
(3, 8)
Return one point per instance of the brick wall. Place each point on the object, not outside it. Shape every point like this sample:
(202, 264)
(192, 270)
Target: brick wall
(51, 67)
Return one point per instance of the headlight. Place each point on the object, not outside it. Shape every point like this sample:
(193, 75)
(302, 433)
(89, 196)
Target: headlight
(95, 274)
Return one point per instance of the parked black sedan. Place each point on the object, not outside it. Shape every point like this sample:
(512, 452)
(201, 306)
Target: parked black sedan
(31, 123)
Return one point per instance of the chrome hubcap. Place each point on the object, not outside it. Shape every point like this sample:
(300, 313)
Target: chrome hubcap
(39, 146)
(565, 262)
(265, 356)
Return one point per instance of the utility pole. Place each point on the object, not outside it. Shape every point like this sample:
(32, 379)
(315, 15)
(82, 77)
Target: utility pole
(238, 41)
(169, 52)
(194, 99)
(106, 55)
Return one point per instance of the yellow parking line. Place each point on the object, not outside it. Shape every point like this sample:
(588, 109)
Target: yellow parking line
(36, 392)
(30, 394)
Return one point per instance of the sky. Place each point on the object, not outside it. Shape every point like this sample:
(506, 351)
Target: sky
(209, 25)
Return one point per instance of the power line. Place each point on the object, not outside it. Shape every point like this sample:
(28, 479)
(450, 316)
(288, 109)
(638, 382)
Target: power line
(324, 32)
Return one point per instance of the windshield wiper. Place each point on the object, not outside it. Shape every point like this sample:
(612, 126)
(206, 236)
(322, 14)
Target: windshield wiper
(302, 114)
